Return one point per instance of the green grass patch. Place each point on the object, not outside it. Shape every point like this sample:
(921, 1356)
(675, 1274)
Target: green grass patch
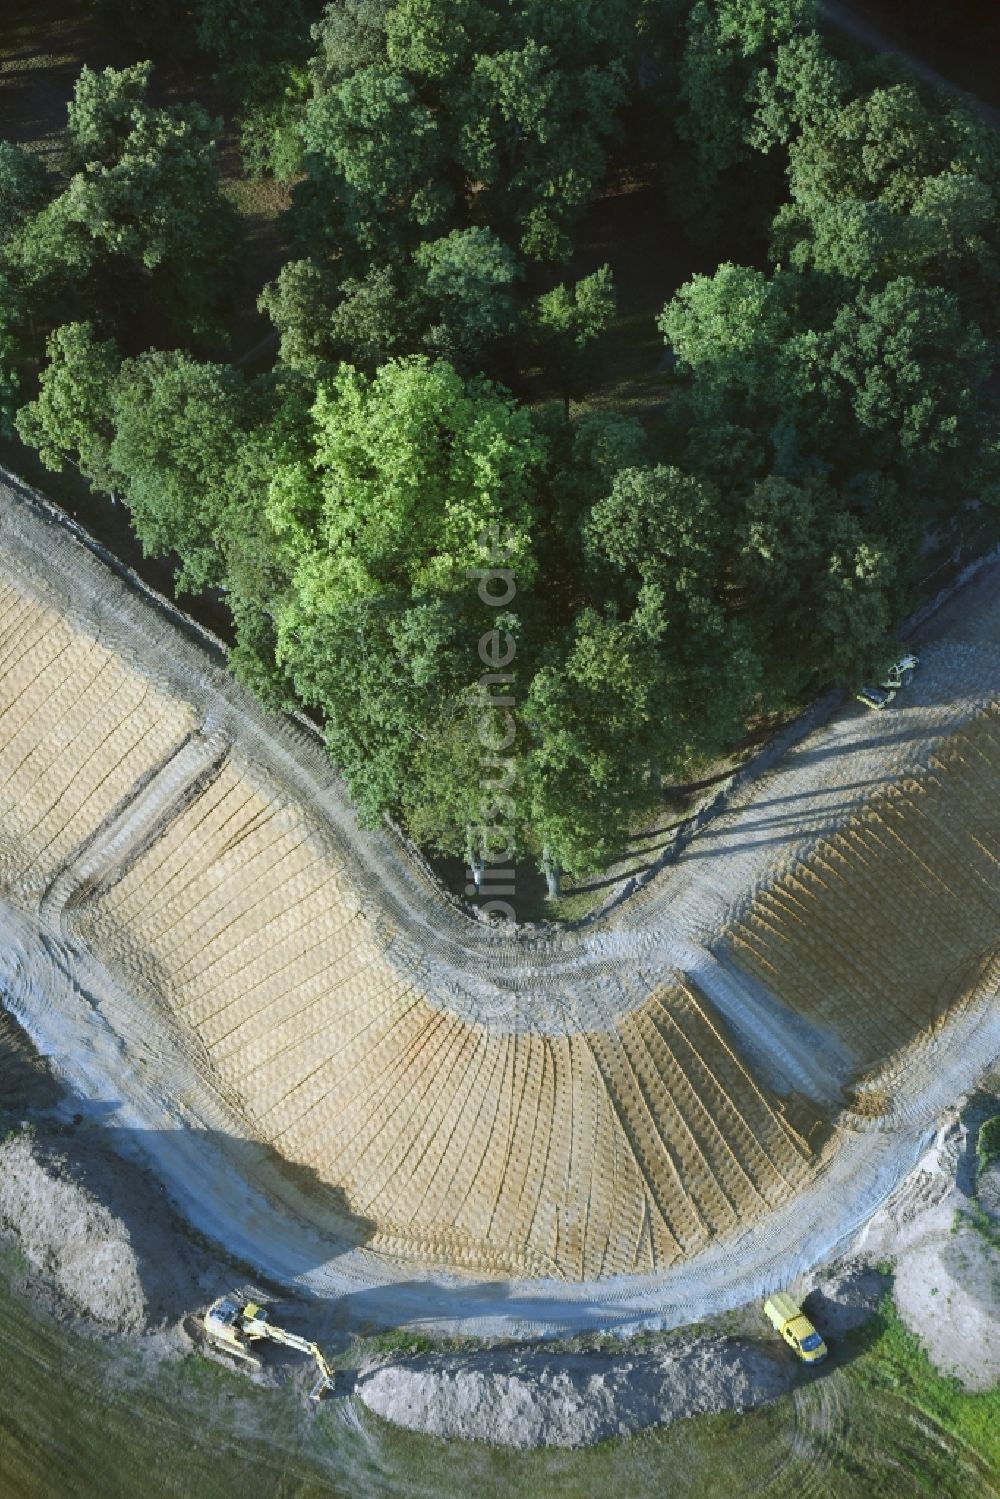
(895, 1363)
(988, 1143)
(397, 1340)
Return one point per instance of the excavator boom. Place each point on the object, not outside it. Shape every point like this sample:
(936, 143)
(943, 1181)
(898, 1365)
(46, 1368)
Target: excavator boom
(292, 1340)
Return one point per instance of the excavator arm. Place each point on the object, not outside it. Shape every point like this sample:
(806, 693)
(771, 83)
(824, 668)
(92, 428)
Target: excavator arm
(235, 1326)
(258, 1327)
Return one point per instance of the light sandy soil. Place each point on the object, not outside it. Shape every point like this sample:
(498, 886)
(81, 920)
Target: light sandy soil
(363, 1092)
(947, 1257)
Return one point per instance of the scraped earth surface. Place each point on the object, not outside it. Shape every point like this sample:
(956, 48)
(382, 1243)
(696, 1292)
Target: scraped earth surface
(354, 1084)
(939, 1229)
(124, 1267)
(77, 1242)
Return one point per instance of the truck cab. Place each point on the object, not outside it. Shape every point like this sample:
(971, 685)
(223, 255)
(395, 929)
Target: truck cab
(787, 1317)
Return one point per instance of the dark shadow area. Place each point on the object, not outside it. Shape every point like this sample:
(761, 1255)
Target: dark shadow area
(73, 1163)
(43, 46)
(423, 1303)
(959, 41)
(26, 1079)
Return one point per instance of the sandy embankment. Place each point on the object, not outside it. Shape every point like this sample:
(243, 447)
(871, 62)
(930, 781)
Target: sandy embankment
(643, 1120)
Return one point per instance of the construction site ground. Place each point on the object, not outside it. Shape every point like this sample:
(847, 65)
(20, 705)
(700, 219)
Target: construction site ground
(98, 1275)
(364, 1093)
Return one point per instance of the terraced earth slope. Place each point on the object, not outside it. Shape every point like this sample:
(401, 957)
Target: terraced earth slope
(566, 1106)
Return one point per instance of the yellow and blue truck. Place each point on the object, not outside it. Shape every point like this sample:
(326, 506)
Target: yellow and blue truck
(787, 1317)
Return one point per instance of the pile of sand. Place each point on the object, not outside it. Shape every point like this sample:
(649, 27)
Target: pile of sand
(71, 1239)
(98, 1230)
(571, 1400)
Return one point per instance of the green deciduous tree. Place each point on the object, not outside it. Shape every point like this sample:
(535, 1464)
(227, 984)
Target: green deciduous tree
(466, 112)
(467, 281)
(413, 465)
(141, 211)
(894, 185)
(24, 188)
(731, 328)
(821, 587)
(375, 319)
(299, 303)
(885, 145)
(235, 32)
(12, 313)
(229, 33)
(890, 379)
(438, 40)
(665, 535)
(178, 430)
(803, 89)
(350, 36)
(569, 322)
(593, 712)
(374, 149)
(271, 121)
(732, 47)
(71, 417)
(379, 521)
(914, 374)
(163, 430)
(534, 136)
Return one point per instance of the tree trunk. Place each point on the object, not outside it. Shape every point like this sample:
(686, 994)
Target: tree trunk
(476, 865)
(551, 872)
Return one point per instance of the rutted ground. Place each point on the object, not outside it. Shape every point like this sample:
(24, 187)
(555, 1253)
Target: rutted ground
(567, 1107)
(102, 1253)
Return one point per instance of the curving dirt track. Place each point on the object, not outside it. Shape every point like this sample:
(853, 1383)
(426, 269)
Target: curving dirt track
(360, 1089)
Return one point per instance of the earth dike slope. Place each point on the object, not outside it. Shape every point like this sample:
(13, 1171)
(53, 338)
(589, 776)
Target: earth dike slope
(363, 1091)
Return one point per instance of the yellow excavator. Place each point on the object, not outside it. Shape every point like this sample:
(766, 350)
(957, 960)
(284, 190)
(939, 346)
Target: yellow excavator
(233, 1326)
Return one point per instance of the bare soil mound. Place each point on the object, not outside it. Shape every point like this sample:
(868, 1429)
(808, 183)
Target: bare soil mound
(69, 1237)
(551, 1400)
(98, 1230)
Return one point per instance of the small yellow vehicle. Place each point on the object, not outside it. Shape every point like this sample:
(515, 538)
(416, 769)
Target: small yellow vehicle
(788, 1318)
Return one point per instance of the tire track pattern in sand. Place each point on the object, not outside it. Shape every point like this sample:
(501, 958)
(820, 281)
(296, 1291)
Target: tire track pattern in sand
(569, 1107)
(491, 1151)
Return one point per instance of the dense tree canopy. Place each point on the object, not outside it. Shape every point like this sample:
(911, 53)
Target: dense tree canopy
(140, 217)
(459, 115)
(436, 415)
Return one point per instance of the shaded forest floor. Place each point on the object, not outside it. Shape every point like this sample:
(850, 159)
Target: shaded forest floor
(965, 53)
